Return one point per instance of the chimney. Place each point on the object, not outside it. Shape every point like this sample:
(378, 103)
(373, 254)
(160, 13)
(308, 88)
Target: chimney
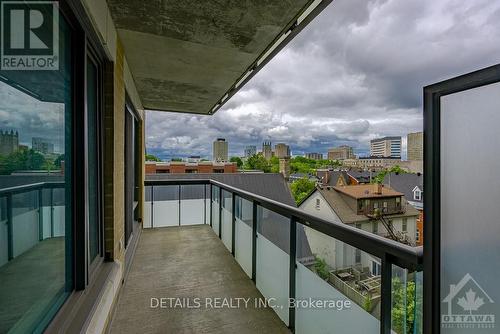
(285, 167)
(378, 188)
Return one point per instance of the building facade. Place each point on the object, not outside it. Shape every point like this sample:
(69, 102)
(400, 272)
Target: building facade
(267, 150)
(387, 147)
(153, 167)
(314, 156)
(341, 153)
(220, 150)
(415, 146)
(250, 151)
(42, 145)
(281, 150)
(9, 142)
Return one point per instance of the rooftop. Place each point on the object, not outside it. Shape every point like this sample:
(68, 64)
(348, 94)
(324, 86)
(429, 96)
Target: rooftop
(359, 191)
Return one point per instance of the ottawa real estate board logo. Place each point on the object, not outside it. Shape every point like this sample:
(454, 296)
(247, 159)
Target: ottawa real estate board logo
(29, 35)
(467, 306)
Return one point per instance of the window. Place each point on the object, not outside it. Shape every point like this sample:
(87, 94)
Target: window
(417, 194)
(375, 205)
(376, 268)
(37, 136)
(318, 202)
(358, 225)
(405, 225)
(357, 256)
(360, 205)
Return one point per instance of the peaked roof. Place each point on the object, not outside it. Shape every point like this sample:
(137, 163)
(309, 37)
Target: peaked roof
(405, 183)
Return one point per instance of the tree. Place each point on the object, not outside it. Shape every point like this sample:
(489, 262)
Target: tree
(301, 188)
(379, 178)
(58, 161)
(258, 162)
(21, 160)
(403, 306)
(151, 157)
(238, 161)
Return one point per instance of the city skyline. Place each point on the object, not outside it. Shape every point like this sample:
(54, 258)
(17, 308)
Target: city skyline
(341, 81)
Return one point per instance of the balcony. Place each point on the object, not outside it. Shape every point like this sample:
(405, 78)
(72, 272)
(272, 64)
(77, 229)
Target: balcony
(205, 239)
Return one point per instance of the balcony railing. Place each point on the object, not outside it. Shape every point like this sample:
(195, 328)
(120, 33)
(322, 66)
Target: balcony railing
(30, 214)
(318, 276)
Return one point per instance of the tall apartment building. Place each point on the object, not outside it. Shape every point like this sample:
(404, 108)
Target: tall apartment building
(42, 145)
(387, 147)
(9, 142)
(341, 153)
(220, 150)
(250, 150)
(281, 150)
(415, 146)
(267, 150)
(314, 156)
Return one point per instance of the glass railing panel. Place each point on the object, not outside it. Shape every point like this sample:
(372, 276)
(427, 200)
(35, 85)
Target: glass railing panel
(46, 212)
(344, 279)
(4, 228)
(148, 207)
(207, 204)
(58, 212)
(166, 206)
(243, 234)
(215, 209)
(273, 259)
(192, 204)
(406, 301)
(25, 224)
(226, 219)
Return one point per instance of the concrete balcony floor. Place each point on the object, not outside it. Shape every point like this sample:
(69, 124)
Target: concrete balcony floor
(187, 262)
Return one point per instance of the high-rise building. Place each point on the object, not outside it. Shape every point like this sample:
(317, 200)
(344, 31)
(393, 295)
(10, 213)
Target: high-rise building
(9, 142)
(314, 156)
(415, 146)
(250, 150)
(341, 153)
(387, 147)
(267, 150)
(220, 150)
(42, 145)
(281, 150)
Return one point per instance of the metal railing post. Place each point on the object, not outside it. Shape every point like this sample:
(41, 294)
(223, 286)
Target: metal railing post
(179, 195)
(152, 206)
(293, 267)
(233, 223)
(40, 215)
(254, 242)
(386, 295)
(51, 212)
(220, 213)
(10, 228)
(211, 204)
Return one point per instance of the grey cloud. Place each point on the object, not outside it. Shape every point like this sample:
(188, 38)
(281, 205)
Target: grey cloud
(355, 73)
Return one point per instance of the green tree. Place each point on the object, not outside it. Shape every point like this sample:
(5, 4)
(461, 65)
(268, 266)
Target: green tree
(301, 188)
(151, 157)
(321, 268)
(58, 161)
(379, 178)
(21, 160)
(403, 306)
(258, 162)
(238, 161)
(176, 159)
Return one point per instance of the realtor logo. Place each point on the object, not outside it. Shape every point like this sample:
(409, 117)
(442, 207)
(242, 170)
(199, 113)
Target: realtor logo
(467, 306)
(29, 35)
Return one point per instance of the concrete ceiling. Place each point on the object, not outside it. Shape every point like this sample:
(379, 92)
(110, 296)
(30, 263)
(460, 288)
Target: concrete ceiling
(186, 55)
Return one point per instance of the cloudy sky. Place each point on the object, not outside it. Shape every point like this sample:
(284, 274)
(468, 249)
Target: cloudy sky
(355, 73)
